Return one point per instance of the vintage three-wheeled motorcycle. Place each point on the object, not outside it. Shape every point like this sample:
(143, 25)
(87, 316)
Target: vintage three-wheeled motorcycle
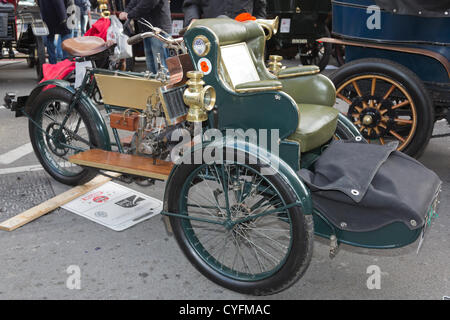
(396, 81)
(255, 161)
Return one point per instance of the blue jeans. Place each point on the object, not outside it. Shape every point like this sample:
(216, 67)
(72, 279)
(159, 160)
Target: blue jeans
(52, 49)
(59, 50)
(84, 19)
(152, 47)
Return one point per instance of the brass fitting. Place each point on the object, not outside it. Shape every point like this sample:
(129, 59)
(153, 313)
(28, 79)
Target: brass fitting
(198, 97)
(275, 64)
(103, 6)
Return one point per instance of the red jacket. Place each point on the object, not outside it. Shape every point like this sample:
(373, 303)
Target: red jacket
(99, 29)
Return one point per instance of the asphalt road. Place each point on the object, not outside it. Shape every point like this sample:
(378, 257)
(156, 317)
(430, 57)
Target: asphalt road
(144, 262)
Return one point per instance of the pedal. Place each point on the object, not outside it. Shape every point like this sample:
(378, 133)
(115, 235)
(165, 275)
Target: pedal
(125, 178)
(144, 182)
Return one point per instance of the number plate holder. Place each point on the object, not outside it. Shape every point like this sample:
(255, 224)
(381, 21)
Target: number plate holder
(299, 41)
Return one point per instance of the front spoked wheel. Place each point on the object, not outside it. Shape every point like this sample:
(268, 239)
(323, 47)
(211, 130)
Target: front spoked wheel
(54, 143)
(241, 229)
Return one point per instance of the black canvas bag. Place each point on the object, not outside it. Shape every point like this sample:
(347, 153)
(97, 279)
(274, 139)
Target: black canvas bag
(363, 187)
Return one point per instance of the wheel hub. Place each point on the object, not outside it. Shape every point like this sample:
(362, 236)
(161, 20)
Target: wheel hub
(55, 143)
(372, 114)
(367, 120)
(238, 211)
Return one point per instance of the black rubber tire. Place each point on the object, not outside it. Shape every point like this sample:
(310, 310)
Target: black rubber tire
(339, 54)
(39, 102)
(40, 58)
(31, 60)
(410, 82)
(323, 62)
(295, 265)
(344, 133)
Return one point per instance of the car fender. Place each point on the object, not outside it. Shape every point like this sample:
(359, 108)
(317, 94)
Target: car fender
(272, 164)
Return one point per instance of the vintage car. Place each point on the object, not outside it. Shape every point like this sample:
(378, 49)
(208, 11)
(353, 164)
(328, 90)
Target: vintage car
(396, 80)
(22, 29)
(255, 160)
(302, 22)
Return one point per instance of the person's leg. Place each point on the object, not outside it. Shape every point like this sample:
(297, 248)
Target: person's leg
(149, 59)
(158, 47)
(51, 49)
(65, 37)
(84, 22)
(57, 42)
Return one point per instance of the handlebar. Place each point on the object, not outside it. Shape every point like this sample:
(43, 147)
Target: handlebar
(135, 39)
(139, 37)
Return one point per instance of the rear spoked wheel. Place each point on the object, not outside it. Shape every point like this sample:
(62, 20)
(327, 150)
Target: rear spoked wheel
(241, 229)
(54, 143)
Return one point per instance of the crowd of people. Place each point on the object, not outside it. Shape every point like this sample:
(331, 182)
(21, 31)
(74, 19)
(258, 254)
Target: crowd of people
(69, 18)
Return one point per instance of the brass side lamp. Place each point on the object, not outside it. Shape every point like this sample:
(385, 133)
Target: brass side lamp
(198, 97)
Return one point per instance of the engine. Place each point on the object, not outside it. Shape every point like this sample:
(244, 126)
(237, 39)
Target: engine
(165, 113)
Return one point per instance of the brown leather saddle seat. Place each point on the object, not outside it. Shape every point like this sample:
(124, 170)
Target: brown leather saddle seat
(85, 46)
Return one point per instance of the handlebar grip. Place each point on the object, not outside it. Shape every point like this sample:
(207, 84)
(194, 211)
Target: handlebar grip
(134, 39)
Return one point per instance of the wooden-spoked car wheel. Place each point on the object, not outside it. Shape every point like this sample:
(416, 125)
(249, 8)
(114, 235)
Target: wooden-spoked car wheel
(377, 117)
(387, 102)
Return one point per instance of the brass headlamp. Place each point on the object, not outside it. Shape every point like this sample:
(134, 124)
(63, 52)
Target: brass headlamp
(198, 97)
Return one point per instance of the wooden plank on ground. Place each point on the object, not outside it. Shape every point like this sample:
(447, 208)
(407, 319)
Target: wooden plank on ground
(54, 203)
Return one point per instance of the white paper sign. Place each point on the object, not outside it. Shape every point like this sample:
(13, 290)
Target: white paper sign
(80, 71)
(115, 206)
(238, 63)
(177, 25)
(285, 25)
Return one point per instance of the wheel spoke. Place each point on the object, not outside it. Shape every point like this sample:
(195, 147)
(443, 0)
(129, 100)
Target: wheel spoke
(402, 104)
(388, 93)
(254, 239)
(395, 134)
(340, 96)
(372, 89)
(403, 121)
(358, 91)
